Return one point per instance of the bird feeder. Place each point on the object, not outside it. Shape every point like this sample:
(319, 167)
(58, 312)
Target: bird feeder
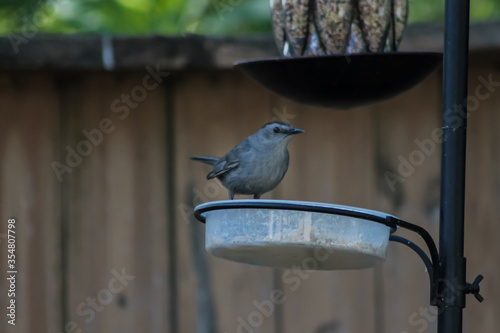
(340, 53)
(343, 54)
(284, 234)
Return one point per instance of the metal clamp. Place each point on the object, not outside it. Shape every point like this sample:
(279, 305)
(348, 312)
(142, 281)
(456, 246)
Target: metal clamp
(473, 288)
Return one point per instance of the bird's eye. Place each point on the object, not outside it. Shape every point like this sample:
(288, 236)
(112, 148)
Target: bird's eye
(276, 130)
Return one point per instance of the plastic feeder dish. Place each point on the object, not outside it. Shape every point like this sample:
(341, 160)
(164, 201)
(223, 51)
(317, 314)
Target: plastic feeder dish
(286, 234)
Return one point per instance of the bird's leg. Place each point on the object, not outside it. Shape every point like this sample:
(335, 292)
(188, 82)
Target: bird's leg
(231, 195)
(256, 196)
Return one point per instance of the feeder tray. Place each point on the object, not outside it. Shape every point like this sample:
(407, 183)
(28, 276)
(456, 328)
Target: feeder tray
(286, 234)
(344, 80)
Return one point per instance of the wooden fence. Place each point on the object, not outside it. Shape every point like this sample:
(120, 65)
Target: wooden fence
(95, 171)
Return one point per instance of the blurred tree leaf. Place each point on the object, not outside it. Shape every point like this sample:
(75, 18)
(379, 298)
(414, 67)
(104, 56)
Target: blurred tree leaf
(433, 10)
(139, 17)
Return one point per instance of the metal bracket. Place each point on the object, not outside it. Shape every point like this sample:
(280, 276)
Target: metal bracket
(432, 264)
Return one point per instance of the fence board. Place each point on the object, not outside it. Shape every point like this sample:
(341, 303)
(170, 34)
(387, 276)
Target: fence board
(31, 196)
(117, 214)
(482, 225)
(413, 197)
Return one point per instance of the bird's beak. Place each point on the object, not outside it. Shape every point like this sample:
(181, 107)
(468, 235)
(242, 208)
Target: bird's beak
(295, 131)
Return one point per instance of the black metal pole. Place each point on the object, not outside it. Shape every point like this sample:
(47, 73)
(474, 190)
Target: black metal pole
(451, 231)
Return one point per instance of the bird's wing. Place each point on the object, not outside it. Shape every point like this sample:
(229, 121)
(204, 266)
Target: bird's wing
(223, 167)
(231, 160)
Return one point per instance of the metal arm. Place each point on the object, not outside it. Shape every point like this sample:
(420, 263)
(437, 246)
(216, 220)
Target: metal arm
(425, 259)
(433, 264)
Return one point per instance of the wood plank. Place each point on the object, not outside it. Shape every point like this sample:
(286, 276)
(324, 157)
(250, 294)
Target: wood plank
(29, 193)
(482, 196)
(117, 209)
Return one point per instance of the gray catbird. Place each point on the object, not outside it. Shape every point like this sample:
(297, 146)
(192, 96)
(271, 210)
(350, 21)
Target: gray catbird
(257, 164)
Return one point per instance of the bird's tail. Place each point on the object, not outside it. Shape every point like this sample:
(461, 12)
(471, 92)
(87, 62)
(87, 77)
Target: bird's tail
(205, 159)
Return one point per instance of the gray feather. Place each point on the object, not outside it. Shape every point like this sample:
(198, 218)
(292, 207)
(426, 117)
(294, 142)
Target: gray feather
(206, 159)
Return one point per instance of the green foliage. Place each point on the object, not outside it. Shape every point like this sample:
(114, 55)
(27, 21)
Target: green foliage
(433, 10)
(137, 17)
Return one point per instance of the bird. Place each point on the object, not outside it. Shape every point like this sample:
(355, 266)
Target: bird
(257, 164)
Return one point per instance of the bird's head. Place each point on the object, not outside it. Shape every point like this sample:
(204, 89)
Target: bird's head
(277, 132)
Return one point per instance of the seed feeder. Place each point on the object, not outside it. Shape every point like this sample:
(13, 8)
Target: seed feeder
(342, 54)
